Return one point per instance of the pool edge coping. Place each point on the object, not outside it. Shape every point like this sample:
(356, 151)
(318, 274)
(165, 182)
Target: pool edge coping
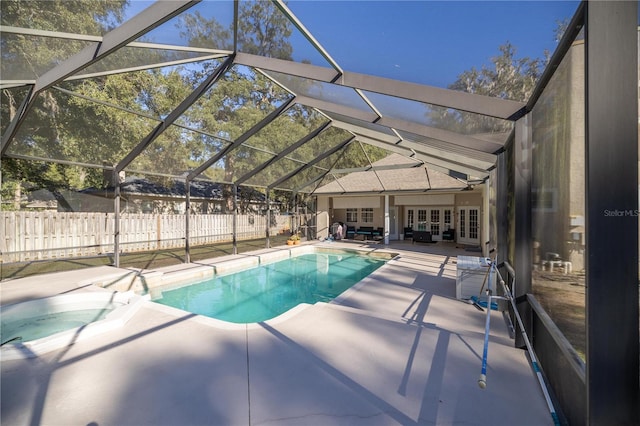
(258, 258)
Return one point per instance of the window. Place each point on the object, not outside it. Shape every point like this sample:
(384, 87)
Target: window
(544, 200)
(352, 215)
(367, 215)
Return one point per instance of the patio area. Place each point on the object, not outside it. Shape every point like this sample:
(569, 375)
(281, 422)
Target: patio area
(398, 349)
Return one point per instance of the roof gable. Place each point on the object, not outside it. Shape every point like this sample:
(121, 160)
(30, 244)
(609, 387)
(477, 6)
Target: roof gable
(415, 176)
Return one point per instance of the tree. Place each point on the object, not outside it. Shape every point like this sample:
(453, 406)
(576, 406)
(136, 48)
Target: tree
(509, 77)
(263, 30)
(242, 97)
(108, 130)
(98, 120)
(26, 56)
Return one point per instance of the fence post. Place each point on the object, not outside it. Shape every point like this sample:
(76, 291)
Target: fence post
(187, 254)
(235, 219)
(116, 224)
(267, 224)
(26, 237)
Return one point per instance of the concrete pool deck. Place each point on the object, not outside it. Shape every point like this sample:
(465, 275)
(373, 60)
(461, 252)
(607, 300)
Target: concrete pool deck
(398, 349)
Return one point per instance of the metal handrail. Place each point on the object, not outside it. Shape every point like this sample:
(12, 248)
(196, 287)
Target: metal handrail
(508, 295)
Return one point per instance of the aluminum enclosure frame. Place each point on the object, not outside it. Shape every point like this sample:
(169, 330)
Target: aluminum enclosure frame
(612, 152)
(611, 59)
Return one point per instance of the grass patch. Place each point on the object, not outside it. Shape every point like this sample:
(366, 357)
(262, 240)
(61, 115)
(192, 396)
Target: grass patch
(142, 260)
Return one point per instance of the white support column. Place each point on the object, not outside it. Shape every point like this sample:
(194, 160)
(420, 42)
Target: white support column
(386, 219)
(486, 217)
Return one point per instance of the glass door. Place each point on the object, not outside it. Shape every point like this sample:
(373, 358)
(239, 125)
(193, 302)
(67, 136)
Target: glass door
(435, 226)
(393, 224)
(447, 219)
(421, 225)
(469, 225)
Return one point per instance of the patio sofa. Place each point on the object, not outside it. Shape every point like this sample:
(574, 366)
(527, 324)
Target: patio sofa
(368, 233)
(422, 237)
(408, 233)
(351, 232)
(449, 235)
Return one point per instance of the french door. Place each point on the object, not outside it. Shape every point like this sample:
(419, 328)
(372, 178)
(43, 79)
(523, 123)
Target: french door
(469, 225)
(393, 226)
(432, 219)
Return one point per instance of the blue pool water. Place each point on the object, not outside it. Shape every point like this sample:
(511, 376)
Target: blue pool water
(27, 329)
(264, 292)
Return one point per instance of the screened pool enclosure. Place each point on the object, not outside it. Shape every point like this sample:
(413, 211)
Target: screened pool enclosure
(137, 127)
(206, 96)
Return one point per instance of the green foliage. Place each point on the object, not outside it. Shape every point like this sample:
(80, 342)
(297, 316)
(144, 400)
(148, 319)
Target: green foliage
(263, 30)
(201, 32)
(26, 56)
(10, 194)
(509, 77)
(67, 16)
(45, 132)
(243, 97)
(294, 237)
(22, 177)
(98, 121)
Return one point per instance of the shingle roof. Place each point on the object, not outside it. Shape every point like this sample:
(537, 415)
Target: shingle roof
(134, 185)
(416, 176)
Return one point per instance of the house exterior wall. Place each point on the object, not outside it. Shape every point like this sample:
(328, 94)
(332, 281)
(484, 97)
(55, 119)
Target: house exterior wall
(322, 217)
(336, 211)
(468, 199)
(339, 214)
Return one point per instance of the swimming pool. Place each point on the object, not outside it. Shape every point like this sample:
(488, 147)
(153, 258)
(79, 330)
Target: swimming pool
(264, 292)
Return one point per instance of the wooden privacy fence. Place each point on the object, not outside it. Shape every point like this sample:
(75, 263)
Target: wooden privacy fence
(28, 236)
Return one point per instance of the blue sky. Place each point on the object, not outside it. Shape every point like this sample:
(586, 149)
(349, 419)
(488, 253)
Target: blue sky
(422, 41)
(429, 42)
